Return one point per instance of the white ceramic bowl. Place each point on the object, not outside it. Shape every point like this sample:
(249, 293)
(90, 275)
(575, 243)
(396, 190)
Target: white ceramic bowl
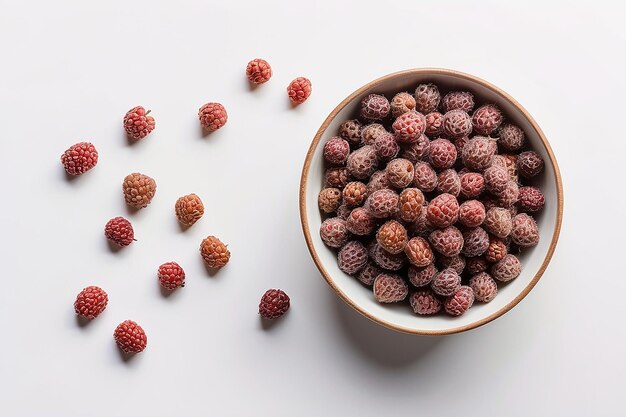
(401, 317)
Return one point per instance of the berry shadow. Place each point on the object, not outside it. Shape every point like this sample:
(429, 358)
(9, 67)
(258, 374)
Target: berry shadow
(165, 293)
(130, 210)
(114, 247)
(269, 324)
(82, 322)
(182, 227)
(125, 357)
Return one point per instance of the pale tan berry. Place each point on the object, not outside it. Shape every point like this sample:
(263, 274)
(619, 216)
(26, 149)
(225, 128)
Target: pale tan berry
(214, 252)
(498, 222)
(189, 209)
(139, 189)
(524, 231)
(402, 103)
(507, 269)
(354, 193)
(329, 199)
(400, 172)
(484, 287)
(370, 132)
(390, 288)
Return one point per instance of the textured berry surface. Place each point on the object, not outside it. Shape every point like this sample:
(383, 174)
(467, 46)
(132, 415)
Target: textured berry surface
(299, 90)
(408, 127)
(475, 242)
(445, 282)
(478, 153)
(362, 163)
(427, 98)
(529, 164)
(390, 288)
(434, 124)
(472, 184)
(212, 116)
(424, 303)
(498, 222)
(368, 274)
(417, 151)
(410, 204)
(486, 119)
(336, 150)
(214, 252)
(524, 232)
(421, 226)
(91, 302)
(329, 199)
(443, 210)
(475, 265)
(350, 130)
(457, 123)
(383, 203)
(496, 179)
(352, 257)
(456, 262)
(120, 231)
(511, 137)
(189, 209)
(496, 250)
(343, 211)
(130, 337)
(421, 277)
(274, 304)
(448, 241)
(460, 301)
(336, 177)
(79, 158)
(138, 123)
(461, 100)
(448, 182)
(418, 252)
(354, 194)
(402, 103)
(472, 213)
(386, 147)
(258, 71)
(507, 269)
(510, 195)
(360, 222)
(334, 233)
(171, 276)
(378, 181)
(392, 237)
(400, 172)
(370, 132)
(531, 199)
(139, 189)
(385, 259)
(442, 153)
(425, 177)
(374, 107)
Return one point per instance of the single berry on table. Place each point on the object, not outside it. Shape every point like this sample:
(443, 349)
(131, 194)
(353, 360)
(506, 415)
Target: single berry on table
(212, 116)
(189, 209)
(119, 231)
(79, 158)
(299, 90)
(91, 302)
(171, 276)
(258, 71)
(139, 189)
(130, 337)
(274, 304)
(214, 252)
(138, 123)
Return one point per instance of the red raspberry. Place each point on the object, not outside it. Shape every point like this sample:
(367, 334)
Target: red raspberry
(336, 177)
(509, 195)
(385, 259)
(486, 119)
(171, 276)
(392, 237)
(370, 132)
(425, 177)
(299, 90)
(374, 107)
(427, 98)
(390, 288)
(258, 71)
(418, 252)
(334, 233)
(214, 252)
(274, 304)
(457, 124)
(368, 274)
(498, 222)
(120, 231)
(524, 232)
(421, 277)
(448, 241)
(425, 303)
(212, 116)
(496, 250)
(443, 210)
(456, 262)
(511, 137)
(421, 226)
(386, 147)
(79, 158)
(475, 242)
(472, 184)
(137, 123)
(442, 153)
(459, 302)
(408, 127)
(507, 269)
(378, 181)
(400, 172)
(496, 179)
(472, 213)
(529, 164)
(329, 199)
(478, 153)
(410, 204)
(461, 100)
(362, 163)
(130, 337)
(354, 193)
(336, 150)
(448, 181)
(476, 265)
(445, 282)
(402, 103)
(417, 151)
(352, 257)
(434, 124)
(531, 199)
(382, 203)
(91, 302)
(350, 130)
(360, 222)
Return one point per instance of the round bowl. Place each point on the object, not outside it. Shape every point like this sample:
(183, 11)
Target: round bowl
(401, 317)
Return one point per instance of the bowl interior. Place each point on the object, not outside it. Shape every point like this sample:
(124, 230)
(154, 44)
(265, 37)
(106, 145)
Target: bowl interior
(401, 317)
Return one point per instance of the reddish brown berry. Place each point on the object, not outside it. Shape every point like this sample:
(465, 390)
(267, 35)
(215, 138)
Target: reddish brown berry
(274, 304)
(360, 222)
(352, 257)
(392, 237)
(424, 303)
(350, 130)
(91, 302)
(214, 252)
(400, 172)
(299, 90)
(171, 276)
(524, 232)
(378, 181)
(418, 252)
(390, 288)
(382, 203)
(370, 132)
(475, 242)
(418, 151)
(448, 181)
(402, 103)
(189, 209)
(343, 211)
(130, 337)
(472, 184)
(457, 123)
(445, 282)
(120, 231)
(139, 189)
(427, 98)
(459, 144)
(486, 119)
(434, 124)
(456, 262)
(386, 147)
(212, 116)
(421, 226)
(496, 250)
(498, 222)
(334, 233)
(509, 195)
(137, 123)
(476, 265)
(336, 177)
(368, 274)
(496, 179)
(472, 213)
(362, 163)
(461, 100)
(421, 277)
(442, 153)
(459, 302)
(408, 127)
(507, 269)
(531, 199)
(511, 137)
(336, 150)
(443, 210)
(258, 71)
(484, 287)
(448, 241)
(329, 199)
(529, 164)
(354, 193)
(410, 204)
(425, 177)
(79, 158)
(478, 153)
(385, 259)
(374, 107)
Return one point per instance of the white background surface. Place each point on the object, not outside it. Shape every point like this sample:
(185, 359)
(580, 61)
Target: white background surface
(71, 69)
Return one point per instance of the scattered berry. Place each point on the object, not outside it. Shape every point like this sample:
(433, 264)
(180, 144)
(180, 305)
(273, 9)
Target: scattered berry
(408, 127)
(139, 189)
(120, 231)
(400, 172)
(352, 257)
(427, 98)
(189, 209)
(421, 277)
(448, 182)
(443, 210)
(475, 242)
(138, 123)
(507, 269)
(368, 274)
(424, 302)
(360, 222)
(418, 252)
(130, 337)
(445, 282)
(370, 132)
(362, 163)
(460, 301)
(274, 304)
(486, 119)
(79, 158)
(390, 288)
(386, 147)
(382, 203)
(336, 150)
(385, 259)
(329, 199)
(392, 237)
(212, 116)
(498, 222)
(511, 137)
(524, 232)
(91, 302)
(442, 153)
(336, 177)
(425, 177)
(530, 200)
(472, 213)
(478, 153)
(434, 124)
(171, 276)
(374, 107)
(402, 103)
(457, 123)
(472, 184)
(350, 130)
(529, 164)
(410, 204)
(214, 252)
(461, 100)
(299, 90)
(258, 71)
(448, 241)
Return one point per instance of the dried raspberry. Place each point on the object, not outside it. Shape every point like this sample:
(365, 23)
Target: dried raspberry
(392, 237)
(484, 287)
(496, 179)
(390, 288)
(442, 153)
(400, 172)
(425, 303)
(350, 130)
(443, 210)
(336, 177)
(475, 242)
(418, 252)
(486, 119)
(476, 265)
(529, 164)
(189, 209)
(427, 98)
(417, 151)
(509, 195)
(171, 276)
(511, 137)
(531, 199)
(334, 233)
(425, 177)
(139, 189)
(274, 304)
(214, 252)
(212, 116)
(461, 100)
(137, 123)
(434, 124)
(336, 150)
(459, 144)
(258, 71)
(299, 90)
(386, 147)
(362, 163)
(421, 277)
(472, 213)
(508, 162)
(410, 204)
(352, 257)
(91, 302)
(382, 203)
(459, 302)
(478, 153)
(370, 132)
(445, 282)
(378, 181)
(456, 262)
(449, 182)
(498, 222)
(130, 337)
(457, 124)
(79, 158)
(472, 184)
(120, 231)
(496, 250)
(408, 127)
(354, 193)
(507, 269)
(489, 202)
(360, 222)
(448, 241)
(525, 232)
(374, 107)
(402, 103)
(329, 199)
(343, 211)
(368, 274)
(385, 259)
(421, 226)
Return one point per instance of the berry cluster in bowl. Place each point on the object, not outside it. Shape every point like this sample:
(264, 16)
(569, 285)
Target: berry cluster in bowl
(429, 198)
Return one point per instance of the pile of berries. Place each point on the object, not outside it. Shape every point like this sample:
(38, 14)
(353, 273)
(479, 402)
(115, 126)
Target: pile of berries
(429, 198)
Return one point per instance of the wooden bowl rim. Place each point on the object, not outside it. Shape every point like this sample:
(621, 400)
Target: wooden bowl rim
(305, 225)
